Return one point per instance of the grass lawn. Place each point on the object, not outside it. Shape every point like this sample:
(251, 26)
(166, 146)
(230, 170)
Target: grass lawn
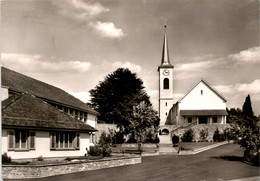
(195, 145)
(120, 149)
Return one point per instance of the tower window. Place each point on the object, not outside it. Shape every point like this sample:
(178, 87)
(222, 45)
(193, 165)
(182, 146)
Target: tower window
(201, 92)
(166, 114)
(166, 104)
(166, 83)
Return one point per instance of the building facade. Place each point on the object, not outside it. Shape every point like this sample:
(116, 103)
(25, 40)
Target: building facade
(201, 105)
(42, 120)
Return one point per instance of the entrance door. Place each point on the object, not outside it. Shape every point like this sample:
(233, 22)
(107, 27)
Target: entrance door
(203, 119)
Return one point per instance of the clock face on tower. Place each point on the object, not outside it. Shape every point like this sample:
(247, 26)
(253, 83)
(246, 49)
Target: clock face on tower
(166, 72)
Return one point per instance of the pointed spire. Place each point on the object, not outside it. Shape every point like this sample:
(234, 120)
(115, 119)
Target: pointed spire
(165, 52)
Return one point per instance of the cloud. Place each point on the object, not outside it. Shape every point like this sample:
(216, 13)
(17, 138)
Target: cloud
(195, 66)
(238, 88)
(224, 88)
(129, 65)
(86, 13)
(252, 55)
(83, 96)
(37, 63)
(78, 9)
(107, 29)
(252, 88)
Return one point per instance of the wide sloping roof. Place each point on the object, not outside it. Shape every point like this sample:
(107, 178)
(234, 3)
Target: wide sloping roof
(22, 83)
(203, 112)
(209, 86)
(26, 110)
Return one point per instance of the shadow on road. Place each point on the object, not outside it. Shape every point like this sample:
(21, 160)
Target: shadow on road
(230, 158)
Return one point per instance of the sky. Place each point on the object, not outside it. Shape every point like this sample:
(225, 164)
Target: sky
(75, 44)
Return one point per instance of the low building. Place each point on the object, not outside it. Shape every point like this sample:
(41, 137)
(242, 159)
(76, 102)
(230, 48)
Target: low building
(33, 128)
(201, 105)
(39, 119)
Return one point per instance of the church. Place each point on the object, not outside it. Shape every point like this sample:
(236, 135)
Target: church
(202, 104)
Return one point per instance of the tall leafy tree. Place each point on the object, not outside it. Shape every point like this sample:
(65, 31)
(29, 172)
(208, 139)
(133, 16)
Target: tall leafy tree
(115, 97)
(142, 121)
(247, 107)
(246, 127)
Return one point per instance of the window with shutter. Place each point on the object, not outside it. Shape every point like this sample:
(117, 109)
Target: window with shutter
(64, 141)
(21, 140)
(32, 140)
(10, 140)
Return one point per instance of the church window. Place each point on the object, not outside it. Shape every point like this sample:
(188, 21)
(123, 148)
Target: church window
(201, 92)
(166, 104)
(166, 114)
(166, 83)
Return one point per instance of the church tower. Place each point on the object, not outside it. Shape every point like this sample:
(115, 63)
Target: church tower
(165, 82)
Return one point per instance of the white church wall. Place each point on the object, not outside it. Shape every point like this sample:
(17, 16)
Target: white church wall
(202, 98)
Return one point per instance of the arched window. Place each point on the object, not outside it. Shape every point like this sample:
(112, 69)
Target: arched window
(166, 83)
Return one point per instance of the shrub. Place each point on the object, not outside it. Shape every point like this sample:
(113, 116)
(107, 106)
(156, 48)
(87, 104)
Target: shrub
(157, 139)
(219, 136)
(216, 135)
(203, 135)
(105, 142)
(40, 158)
(188, 136)
(6, 159)
(95, 151)
(119, 138)
(252, 156)
(131, 138)
(175, 140)
(68, 159)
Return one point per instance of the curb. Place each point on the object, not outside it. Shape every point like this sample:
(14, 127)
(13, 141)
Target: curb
(248, 179)
(193, 152)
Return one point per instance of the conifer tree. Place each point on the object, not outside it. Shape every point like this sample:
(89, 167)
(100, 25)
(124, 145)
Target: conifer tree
(247, 107)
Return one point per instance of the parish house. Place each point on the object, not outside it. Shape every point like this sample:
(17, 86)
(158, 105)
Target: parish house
(39, 119)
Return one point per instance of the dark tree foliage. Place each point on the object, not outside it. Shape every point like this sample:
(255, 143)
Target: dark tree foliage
(115, 97)
(246, 129)
(247, 108)
(188, 136)
(175, 139)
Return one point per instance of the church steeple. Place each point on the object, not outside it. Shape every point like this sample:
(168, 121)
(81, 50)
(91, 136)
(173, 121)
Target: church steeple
(165, 62)
(165, 82)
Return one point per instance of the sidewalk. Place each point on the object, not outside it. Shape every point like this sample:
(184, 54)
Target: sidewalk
(168, 149)
(248, 179)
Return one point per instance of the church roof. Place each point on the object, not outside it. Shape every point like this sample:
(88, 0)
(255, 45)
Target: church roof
(165, 63)
(21, 83)
(209, 86)
(26, 110)
(203, 112)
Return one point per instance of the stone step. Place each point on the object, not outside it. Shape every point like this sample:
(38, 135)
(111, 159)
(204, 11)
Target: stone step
(167, 149)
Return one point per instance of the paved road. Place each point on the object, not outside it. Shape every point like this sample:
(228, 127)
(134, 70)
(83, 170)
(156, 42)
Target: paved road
(222, 163)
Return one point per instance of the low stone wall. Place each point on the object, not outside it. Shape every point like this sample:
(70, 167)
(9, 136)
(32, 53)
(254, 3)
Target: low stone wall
(39, 171)
(134, 145)
(197, 128)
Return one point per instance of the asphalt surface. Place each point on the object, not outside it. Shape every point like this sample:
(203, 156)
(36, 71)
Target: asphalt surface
(222, 163)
